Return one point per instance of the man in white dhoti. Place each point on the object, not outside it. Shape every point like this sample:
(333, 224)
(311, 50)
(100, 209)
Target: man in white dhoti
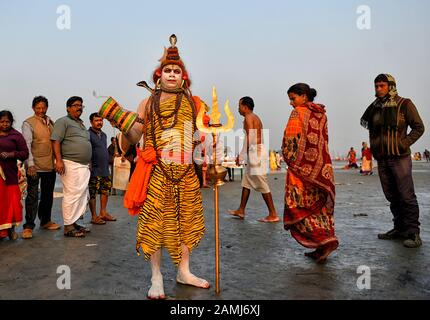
(72, 149)
(257, 158)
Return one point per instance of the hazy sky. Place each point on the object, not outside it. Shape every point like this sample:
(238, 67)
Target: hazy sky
(255, 48)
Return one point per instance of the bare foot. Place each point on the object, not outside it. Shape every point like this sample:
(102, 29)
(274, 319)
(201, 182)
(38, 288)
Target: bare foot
(237, 213)
(269, 219)
(157, 290)
(192, 280)
(326, 250)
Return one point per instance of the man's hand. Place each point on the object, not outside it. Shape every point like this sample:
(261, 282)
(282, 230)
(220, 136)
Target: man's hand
(32, 172)
(60, 168)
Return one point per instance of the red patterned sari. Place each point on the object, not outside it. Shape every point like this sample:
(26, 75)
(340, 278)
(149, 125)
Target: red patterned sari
(309, 189)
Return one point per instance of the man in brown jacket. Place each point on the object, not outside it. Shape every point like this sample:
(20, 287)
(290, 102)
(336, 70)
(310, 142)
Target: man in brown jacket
(40, 167)
(387, 120)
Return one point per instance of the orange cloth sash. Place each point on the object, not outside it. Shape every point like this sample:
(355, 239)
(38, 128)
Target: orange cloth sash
(136, 192)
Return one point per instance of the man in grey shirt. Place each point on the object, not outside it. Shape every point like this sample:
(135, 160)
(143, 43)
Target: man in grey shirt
(72, 150)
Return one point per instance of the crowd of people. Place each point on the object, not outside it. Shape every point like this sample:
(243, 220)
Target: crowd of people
(366, 165)
(79, 155)
(164, 187)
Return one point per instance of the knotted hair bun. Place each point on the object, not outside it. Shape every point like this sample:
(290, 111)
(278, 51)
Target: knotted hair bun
(312, 94)
(303, 88)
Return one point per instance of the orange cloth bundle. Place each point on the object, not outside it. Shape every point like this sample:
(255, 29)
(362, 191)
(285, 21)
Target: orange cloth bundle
(136, 194)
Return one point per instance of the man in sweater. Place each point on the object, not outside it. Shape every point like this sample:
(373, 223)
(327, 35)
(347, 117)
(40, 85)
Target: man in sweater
(40, 168)
(387, 120)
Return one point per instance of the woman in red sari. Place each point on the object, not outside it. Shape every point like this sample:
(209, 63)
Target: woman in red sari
(309, 190)
(12, 148)
(366, 158)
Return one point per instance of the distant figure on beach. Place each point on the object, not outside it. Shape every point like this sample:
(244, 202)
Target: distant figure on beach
(352, 159)
(12, 148)
(40, 169)
(366, 160)
(310, 189)
(278, 160)
(273, 163)
(388, 119)
(228, 157)
(254, 153)
(113, 151)
(72, 150)
(427, 155)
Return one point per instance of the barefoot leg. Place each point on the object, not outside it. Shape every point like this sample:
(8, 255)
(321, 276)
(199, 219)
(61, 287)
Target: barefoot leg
(273, 217)
(93, 205)
(243, 201)
(157, 289)
(269, 219)
(103, 204)
(237, 213)
(184, 275)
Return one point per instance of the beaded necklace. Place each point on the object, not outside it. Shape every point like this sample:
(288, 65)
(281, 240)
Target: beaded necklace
(155, 108)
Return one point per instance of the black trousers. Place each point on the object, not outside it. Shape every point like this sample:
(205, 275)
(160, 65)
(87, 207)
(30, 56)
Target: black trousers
(229, 173)
(396, 180)
(32, 205)
(199, 172)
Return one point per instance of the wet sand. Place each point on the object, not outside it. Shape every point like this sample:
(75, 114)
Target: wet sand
(258, 260)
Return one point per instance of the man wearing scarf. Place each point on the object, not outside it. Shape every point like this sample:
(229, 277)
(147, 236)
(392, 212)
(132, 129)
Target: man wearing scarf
(387, 120)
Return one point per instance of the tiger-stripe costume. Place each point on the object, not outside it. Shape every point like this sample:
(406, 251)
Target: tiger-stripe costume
(172, 212)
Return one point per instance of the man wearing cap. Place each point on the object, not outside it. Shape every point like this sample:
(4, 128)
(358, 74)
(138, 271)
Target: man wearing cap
(387, 120)
(171, 215)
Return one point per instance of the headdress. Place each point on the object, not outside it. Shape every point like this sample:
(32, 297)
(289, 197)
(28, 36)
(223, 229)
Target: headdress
(171, 56)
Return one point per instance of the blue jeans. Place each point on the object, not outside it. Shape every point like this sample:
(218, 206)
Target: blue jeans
(396, 180)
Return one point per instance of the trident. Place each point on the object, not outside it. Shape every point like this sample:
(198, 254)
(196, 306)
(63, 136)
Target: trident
(216, 171)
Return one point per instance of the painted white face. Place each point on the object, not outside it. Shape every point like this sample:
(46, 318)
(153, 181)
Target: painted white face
(171, 76)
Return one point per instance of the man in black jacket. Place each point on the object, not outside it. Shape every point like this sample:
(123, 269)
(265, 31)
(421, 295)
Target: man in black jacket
(387, 120)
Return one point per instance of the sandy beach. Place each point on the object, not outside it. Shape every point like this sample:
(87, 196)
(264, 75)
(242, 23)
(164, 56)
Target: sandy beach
(258, 261)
